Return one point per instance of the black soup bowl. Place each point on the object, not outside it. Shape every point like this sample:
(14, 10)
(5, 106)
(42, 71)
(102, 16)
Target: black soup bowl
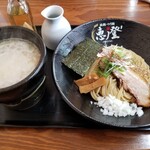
(28, 91)
(129, 34)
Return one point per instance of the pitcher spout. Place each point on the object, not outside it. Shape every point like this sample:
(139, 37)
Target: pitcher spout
(52, 12)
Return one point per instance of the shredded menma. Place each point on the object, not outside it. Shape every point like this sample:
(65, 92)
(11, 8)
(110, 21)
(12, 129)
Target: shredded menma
(111, 106)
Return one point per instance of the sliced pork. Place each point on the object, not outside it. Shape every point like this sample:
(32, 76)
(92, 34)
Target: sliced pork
(137, 86)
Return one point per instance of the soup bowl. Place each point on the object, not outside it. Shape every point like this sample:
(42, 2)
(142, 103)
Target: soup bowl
(25, 93)
(129, 34)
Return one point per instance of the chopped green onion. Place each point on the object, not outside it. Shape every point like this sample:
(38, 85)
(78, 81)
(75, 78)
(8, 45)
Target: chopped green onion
(108, 66)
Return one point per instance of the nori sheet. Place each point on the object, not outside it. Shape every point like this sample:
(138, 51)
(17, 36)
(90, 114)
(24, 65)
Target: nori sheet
(82, 56)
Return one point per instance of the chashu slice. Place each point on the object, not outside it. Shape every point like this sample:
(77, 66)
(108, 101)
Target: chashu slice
(133, 83)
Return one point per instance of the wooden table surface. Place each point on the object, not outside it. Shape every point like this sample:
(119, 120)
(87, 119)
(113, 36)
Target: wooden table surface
(78, 12)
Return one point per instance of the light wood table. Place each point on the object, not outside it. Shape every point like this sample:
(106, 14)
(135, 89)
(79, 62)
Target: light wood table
(78, 12)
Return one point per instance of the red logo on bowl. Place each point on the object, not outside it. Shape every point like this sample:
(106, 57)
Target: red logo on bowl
(106, 32)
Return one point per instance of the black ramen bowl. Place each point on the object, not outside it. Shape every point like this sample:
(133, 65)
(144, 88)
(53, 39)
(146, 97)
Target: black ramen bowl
(23, 94)
(129, 34)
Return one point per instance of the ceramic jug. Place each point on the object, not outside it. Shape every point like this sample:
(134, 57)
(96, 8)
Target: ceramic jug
(54, 27)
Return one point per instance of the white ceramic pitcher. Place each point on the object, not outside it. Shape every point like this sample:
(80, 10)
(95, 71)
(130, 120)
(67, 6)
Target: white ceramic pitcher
(55, 26)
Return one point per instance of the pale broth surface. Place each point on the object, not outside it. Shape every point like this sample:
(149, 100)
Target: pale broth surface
(18, 58)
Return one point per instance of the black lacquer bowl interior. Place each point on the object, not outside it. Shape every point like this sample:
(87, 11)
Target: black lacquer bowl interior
(129, 34)
(25, 88)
